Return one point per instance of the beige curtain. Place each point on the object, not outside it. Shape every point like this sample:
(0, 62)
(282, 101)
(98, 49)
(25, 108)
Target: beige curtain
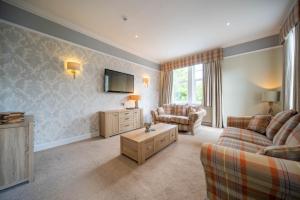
(212, 91)
(296, 99)
(166, 87)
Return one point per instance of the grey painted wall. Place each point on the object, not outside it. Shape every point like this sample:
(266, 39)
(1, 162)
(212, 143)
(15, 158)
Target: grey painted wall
(33, 80)
(24, 18)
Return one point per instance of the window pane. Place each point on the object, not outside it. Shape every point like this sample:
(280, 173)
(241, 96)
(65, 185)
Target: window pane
(198, 91)
(180, 85)
(198, 72)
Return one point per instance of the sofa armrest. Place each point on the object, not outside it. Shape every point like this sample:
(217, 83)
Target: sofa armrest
(196, 116)
(238, 122)
(234, 174)
(154, 115)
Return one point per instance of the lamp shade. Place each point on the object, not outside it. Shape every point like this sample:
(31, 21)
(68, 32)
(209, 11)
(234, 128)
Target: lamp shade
(74, 66)
(270, 96)
(134, 97)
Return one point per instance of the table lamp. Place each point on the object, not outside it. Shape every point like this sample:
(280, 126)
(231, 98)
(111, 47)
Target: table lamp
(270, 97)
(136, 98)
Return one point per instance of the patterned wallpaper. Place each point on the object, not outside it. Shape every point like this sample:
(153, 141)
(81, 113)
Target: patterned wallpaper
(33, 80)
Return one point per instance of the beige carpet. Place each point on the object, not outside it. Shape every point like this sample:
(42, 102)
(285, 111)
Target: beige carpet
(94, 169)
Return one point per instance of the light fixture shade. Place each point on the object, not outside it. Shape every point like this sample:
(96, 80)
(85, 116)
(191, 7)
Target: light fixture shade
(270, 96)
(146, 81)
(134, 97)
(74, 66)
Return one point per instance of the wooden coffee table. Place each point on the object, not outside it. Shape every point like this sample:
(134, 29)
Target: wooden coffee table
(139, 145)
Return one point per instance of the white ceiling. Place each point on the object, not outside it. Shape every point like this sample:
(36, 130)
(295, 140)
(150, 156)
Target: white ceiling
(166, 28)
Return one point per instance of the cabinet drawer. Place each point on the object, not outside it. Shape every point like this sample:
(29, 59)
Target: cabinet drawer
(126, 126)
(125, 114)
(130, 148)
(172, 135)
(125, 119)
(148, 148)
(161, 141)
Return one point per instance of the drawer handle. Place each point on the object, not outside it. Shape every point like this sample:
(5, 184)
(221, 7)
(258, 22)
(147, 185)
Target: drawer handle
(162, 140)
(127, 118)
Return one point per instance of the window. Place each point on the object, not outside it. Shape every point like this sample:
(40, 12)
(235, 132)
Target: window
(188, 85)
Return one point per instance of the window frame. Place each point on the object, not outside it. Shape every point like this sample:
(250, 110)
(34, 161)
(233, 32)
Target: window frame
(191, 94)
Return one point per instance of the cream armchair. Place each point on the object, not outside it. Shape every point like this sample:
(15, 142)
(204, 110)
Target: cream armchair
(188, 118)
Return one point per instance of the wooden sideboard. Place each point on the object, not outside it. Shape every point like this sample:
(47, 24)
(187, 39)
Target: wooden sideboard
(16, 153)
(113, 122)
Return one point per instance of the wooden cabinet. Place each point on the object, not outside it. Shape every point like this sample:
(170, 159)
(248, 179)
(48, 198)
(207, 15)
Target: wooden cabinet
(114, 122)
(16, 153)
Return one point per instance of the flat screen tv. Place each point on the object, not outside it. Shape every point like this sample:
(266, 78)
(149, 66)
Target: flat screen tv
(118, 82)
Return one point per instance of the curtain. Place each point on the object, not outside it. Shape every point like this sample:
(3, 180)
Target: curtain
(166, 87)
(288, 67)
(296, 98)
(212, 91)
(291, 21)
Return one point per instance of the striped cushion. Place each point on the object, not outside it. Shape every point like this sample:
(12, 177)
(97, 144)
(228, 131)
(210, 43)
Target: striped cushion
(180, 110)
(239, 144)
(286, 129)
(168, 108)
(282, 151)
(161, 111)
(294, 137)
(164, 118)
(180, 119)
(246, 135)
(277, 122)
(259, 123)
(238, 122)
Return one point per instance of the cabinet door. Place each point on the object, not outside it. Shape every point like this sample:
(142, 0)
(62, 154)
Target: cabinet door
(136, 119)
(13, 156)
(114, 122)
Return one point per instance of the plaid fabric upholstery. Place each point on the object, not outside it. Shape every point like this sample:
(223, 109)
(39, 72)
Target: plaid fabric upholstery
(183, 127)
(246, 135)
(294, 137)
(180, 119)
(168, 108)
(234, 174)
(238, 122)
(164, 118)
(180, 110)
(286, 129)
(277, 122)
(259, 123)
(154, 115)
(239, 144)
(282, 151)
(204, 57)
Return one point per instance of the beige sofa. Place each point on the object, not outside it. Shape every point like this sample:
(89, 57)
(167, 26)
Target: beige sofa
(245, 164)
(187, 117)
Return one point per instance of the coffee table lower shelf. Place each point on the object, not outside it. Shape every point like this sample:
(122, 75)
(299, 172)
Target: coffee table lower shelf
(139, 145)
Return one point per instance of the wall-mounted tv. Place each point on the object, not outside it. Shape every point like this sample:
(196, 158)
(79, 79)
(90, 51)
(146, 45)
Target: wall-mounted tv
(115, 81)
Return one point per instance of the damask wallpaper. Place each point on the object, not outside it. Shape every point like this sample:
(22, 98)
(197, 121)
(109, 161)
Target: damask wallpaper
(33, 80)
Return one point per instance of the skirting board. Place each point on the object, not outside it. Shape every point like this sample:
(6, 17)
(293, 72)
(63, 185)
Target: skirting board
(41, 147)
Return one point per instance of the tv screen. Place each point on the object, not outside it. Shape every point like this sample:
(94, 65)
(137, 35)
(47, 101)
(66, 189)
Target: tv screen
(118, 82)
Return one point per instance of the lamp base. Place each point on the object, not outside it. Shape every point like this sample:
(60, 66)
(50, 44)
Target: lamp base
(271, 112)
(136, 104)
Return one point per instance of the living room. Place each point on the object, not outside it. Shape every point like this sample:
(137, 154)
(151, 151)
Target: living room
(127, 100)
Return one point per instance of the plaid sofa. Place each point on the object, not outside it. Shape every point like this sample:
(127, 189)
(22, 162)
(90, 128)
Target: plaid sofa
(234, 169)
(187, 117)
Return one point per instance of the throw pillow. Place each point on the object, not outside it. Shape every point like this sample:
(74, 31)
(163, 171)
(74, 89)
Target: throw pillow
(191, 110)
(277, 122)
(161, 111)
(282, 151)
(282, 135)
(294, 137)
(259, 123)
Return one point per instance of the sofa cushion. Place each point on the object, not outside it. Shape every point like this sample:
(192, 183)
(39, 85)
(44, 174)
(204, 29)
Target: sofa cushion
(161, 111)
(180, 119)
(239, 144)
(282, 151)
(168, 108)
(278, 121)
(259, 123)
(246, 135)
(294, 137)
(164, 118)
(286, 129)
(180, 110)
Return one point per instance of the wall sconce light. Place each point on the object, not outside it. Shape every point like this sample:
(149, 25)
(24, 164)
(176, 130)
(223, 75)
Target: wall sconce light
(146, 81)
(73, 67)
